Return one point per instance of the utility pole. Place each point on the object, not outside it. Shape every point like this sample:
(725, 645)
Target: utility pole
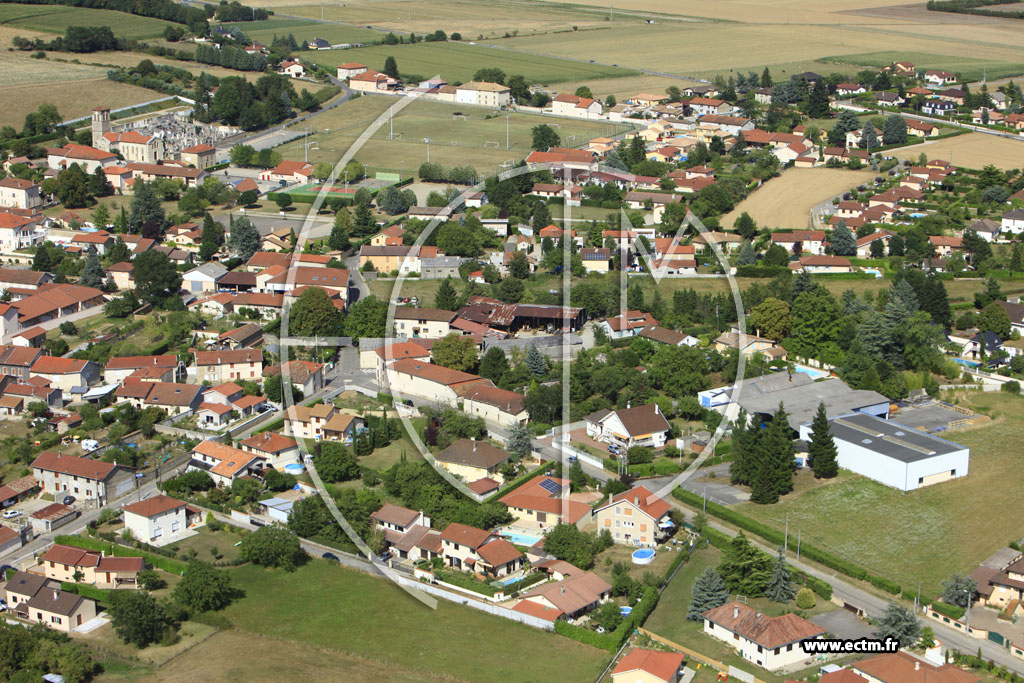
(798, 544)
(705, 496)
(427, 140)
(786, 544)
(391, 122)
(506, 130)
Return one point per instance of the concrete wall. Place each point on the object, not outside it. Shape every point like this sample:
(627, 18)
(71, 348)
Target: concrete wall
(497, 610)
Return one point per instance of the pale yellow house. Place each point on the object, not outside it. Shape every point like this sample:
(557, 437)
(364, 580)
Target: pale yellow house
(648, 666)
(473, 460)
(424, 323)
(636, 517)
(539, 504)
(39, 599)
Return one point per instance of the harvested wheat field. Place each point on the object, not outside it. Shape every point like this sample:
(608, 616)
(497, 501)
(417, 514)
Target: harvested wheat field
(72, 98)
(625, 87)
(786, 201)
(973, 150)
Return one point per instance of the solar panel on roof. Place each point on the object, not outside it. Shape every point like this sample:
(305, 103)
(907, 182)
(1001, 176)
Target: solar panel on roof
(551, 486)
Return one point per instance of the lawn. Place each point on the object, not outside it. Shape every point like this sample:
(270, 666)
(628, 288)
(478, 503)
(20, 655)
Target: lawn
(206, 540)
(73, 98)
(935, 531)
(55, 19)
(479, 140)
(604, 562)
(457, 62)
(970, 68)
(349, 611)
(974, 150)
(261, 658)
(190, 634)
(383, 458)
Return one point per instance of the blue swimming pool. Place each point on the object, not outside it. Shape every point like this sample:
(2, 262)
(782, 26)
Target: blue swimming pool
(518, 538)
(643, 556)
(814, 373)
(967, 363)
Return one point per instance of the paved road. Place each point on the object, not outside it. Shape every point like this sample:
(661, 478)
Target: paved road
(874, 606)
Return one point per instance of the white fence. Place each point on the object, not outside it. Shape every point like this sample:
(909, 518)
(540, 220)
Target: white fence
(496, 610)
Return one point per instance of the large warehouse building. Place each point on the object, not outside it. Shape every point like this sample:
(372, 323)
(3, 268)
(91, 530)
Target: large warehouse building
(892, 453)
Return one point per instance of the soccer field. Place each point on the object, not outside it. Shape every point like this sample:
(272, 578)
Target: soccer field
(457, 62)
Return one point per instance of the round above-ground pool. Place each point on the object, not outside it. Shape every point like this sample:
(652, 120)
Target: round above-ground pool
(624, 610)
(294, 468)
(643, 556)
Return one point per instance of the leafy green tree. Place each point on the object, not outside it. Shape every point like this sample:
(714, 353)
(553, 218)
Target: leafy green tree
(456, 352)
(101, 216)
(336, 463)
(366, 318)
(314, 314)
(446, 298)
(272, 546)
(41, 262)
(519, 89)
(119, 253)
(776, 255)
(746, 226)
(822, 448)
(709, 592)
(567, 542)
(519, 266)
(212, 238)
(608, 616)
(748, 257)
(244, 240)
(818, 105)
(391, 67)
(203, 588)
(584, 91)
(993, 318)
(73, 187)
(137, 618)
(993, 292)
(779, 587)
(868, 137)
(770, 318)
(510, 290)
(494, 364)
(544, 136)
(745, 570)
(156, 278)
(900, 623)
(338, 239)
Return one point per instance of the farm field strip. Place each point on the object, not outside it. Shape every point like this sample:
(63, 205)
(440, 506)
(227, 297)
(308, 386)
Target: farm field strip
(123, 24)
(973, 150)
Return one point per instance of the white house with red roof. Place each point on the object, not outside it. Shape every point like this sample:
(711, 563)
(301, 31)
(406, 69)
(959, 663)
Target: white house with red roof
(225, 464)
(466, 547)
(636, 517)
(19, 193)
(542, 503)
(769, 642)
(575, 106)
(350, 69)
(648, 666)
(290, 172)
(18, 232)
(83, 478)
(133, 146)
(160, 519)
(66, 373)
(89, 158)
(293, 68)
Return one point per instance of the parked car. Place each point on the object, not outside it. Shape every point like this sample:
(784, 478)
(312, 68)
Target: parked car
(11, 514)
(330, 556)
(68, 500)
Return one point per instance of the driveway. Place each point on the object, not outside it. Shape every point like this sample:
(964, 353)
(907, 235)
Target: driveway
(842, 623)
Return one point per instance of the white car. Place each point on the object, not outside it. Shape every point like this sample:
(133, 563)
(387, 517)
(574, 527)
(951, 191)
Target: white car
(11, 514)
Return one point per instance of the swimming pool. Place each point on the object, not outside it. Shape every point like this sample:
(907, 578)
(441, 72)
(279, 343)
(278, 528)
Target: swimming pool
(518, 538)
(814, 373)
(967, 363)
(643, 556)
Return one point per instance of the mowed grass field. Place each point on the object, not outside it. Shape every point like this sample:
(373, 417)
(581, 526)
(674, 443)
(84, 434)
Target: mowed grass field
(54, 19)
(973, 150)
(786, 201)
(930, 533)
(476, 141)
(459, 61)
(345, 610)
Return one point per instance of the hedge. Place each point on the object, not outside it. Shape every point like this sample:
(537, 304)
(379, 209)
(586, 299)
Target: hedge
(166, 563)
(760, 271)
(612, 641)
(777, 537)
(821, 588)
(457, 579)
(951, 611)
(87, 591)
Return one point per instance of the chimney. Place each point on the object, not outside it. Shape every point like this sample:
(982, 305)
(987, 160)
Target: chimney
(56, 594)
(563, 590)
(736, 612)
(474, 445)
(636, 499)
(917, 666)
(657, 410)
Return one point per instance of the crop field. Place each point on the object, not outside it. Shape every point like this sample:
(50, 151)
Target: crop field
(264, 31)
(342, 609)
(464, 16)
(934, 531)
(54, 19)
(458, 62)
(16, 68)
(625, 87)
(786, 201)
(973, 150)
(968, 67)
(477, 141)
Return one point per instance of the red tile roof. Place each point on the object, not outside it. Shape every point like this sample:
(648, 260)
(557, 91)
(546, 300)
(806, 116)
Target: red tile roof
(769, 632)
(156, 505)
(662, 665)
(73, 465)
(55, 365)
(269, 442)
(465, 535)
(645, 500)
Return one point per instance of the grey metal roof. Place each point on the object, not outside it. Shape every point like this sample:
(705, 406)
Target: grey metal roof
(214, 270)
(800, 395)
(889, 438)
